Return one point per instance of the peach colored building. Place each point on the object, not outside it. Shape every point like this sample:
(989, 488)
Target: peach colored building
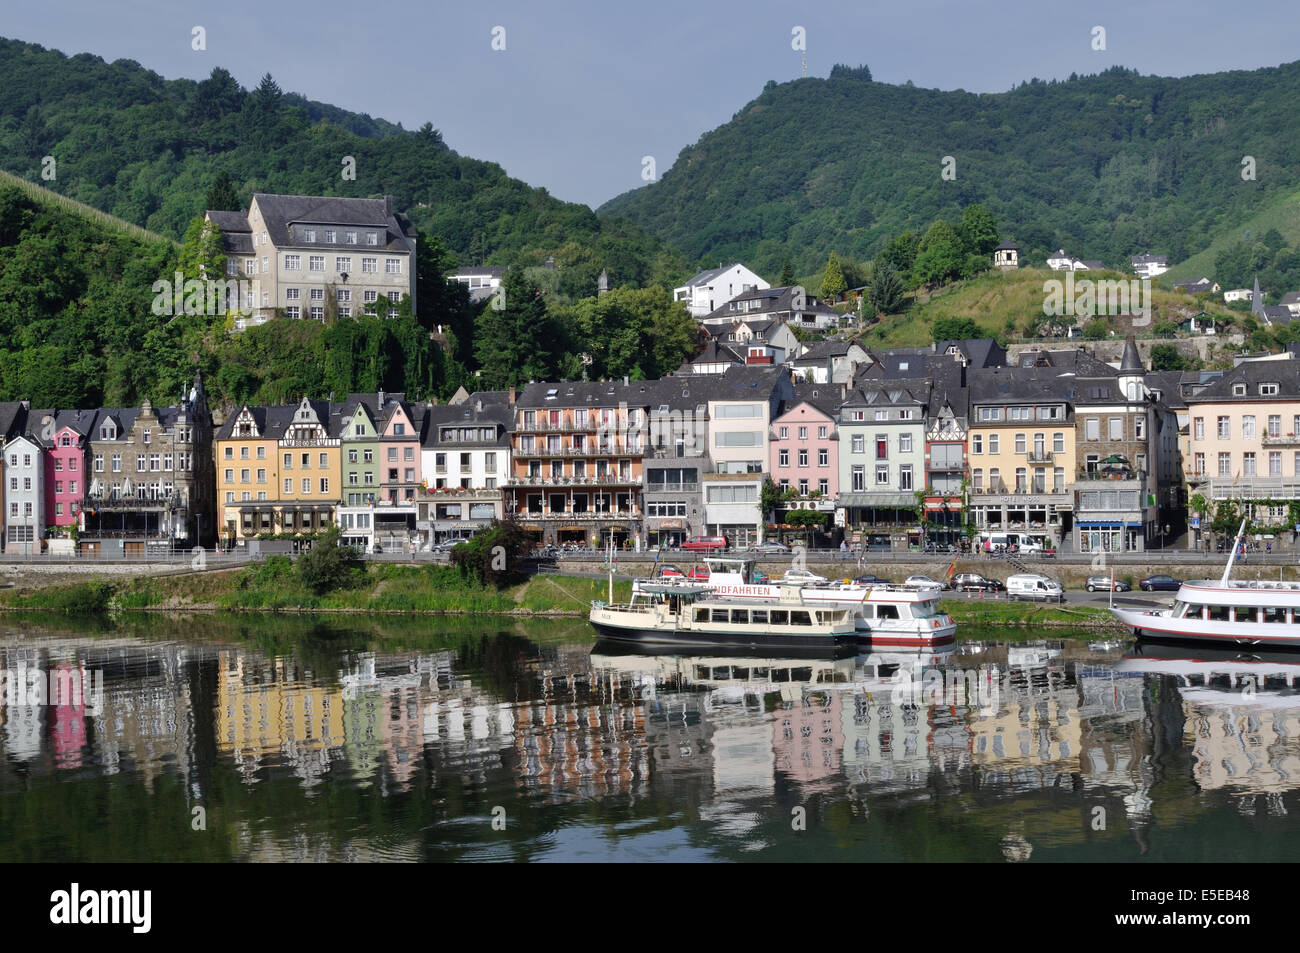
(803, 452)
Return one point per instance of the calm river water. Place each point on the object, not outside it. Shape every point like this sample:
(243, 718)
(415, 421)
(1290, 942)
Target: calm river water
(290, 739)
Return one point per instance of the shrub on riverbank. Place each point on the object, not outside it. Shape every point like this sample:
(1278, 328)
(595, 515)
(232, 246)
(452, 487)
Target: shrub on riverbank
(82, 598)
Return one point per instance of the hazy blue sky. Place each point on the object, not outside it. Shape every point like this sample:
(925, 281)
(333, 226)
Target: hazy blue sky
(583, 90)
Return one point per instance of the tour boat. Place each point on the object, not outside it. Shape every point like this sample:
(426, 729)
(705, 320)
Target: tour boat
(694, 615)
(1229, 612)
(884, 615)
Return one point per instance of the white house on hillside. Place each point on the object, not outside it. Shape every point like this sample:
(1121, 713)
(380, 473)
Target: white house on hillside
(710, 289)
(1147, 265)
(1060, 261)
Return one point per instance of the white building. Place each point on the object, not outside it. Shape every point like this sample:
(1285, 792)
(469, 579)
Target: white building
(710, 289)
(1147, 265)
(24, 495)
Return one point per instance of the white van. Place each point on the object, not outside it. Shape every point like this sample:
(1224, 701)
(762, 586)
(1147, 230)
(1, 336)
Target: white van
(1032, 585)
(1022, 541)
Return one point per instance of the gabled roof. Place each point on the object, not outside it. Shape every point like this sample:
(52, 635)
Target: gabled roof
(280, 212)
(1285, 373)
(769, 301)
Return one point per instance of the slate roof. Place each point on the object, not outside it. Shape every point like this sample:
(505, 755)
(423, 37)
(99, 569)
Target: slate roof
(771, 301)
(1253, 373)
(279, 212)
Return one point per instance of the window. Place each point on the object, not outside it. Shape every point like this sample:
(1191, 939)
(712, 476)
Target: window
(1092, 429)
(392, 266)
(293, 311)
(99, 463)
(324, 461)
(977, 443)
(783, 458)
(343, 294)
(1225, 429)
(995, 443)
(803, 433)
(261, 475)
(1199, 428)
(331, 236)
(803, 487)
(155, 461)
(1139, 428)
(369, 266)
(784, 433)
(317, 294)
(1225, 464)
(1268, 390)
(882, 447)
(1248, 427)
(288, 486)
(977, 476)
(995, 480)
(1020, 443)
(905, 443)
(1275, 463)
(324, 484)
(1116, 428)
(823, 487)
(821, 433)
(293, 263)
(882, 475)
(859, 443)
(803, 458)
(243, 476)
(342, 263)
(1275, 425)
(316, 263)
(306, 484)
(1199, 464)
(859, 478)
(372, 238)
(318, 314)
(139, 462)
(1058, 443)
(905, 477)
(823, 457)
(882, 415)
(1248, 464)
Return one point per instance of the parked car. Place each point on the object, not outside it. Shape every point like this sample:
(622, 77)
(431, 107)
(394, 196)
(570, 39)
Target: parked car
(705, 544)
(870, 580)
(1103, 583)
(672, 572)
(804, 577)
(921, 581)
(699, 574)
(1032, 585)
(774, 549)
(974, 582)
(1160, 582)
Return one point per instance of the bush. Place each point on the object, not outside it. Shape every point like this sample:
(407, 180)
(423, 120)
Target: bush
(494, 557)
(272, 571)
(327, 565)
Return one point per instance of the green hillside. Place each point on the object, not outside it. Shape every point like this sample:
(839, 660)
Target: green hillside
(1106, 166)
(146, 149)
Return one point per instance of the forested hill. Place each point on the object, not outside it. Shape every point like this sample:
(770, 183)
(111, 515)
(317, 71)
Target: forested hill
(146, 149)
(1107, 166)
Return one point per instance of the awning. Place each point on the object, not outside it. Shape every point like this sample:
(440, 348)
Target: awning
(887, 500)
(1105, 524)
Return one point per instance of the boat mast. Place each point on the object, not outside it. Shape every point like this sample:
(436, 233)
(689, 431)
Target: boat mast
(1227, 570)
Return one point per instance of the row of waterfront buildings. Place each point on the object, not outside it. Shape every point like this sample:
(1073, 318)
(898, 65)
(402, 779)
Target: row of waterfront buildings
(894, 447)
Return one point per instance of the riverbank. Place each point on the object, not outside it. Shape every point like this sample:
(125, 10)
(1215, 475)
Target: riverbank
(424, 590)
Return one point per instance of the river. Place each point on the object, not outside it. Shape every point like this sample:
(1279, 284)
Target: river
(246, 738)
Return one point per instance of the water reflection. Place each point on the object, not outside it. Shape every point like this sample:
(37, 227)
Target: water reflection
(596, 751)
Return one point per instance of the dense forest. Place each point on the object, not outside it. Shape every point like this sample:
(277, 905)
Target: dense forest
(1107, 166)
(146, 149)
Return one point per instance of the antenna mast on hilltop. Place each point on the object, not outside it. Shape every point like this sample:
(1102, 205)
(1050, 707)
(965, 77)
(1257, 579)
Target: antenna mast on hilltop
(805, 64)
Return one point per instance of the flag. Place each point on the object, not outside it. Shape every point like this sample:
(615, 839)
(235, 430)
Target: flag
(952, 568)
(1235, 479)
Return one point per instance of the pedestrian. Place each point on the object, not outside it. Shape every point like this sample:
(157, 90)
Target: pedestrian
(844, 550)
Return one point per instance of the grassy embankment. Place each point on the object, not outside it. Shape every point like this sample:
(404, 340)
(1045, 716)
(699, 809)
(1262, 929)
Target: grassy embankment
(273, 586)
(385, 588)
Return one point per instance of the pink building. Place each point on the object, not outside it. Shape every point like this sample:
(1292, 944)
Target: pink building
(399, 451)
(65, 471)
(804, 449)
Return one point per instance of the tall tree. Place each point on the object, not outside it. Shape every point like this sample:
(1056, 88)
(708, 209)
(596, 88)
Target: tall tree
(833, 283)
(978, 230)
(787, 274)
(885, 295)
(222, 196)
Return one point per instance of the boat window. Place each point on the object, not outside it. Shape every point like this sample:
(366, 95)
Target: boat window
(701, 615)
(740, 616)
(760, 672)
(923, 610)
(720, 615)
(887, 671)
(887, 612)
(1217, 613)
(800, 617)
(701, 673)
(780, 674)
(1180, 609)
(1245, 614)
(722, 673)
(868, 611)
(801, 674)
(780, 617)
(758, 616)
(1274, 614)
(741, 674)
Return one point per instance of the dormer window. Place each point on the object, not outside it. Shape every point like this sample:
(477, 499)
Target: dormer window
(1238, 390)
(1268, 390)
(309, 236)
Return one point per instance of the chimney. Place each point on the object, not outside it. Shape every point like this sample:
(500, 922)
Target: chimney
(512, 395)
(388, 205)
(625, 380)
(381, 400)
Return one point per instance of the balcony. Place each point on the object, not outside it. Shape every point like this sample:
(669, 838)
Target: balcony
(604, 450)
(580, 516)
(1039, 456)
(672, 488)
(1281, 440)
(610, 479)
(591, 425)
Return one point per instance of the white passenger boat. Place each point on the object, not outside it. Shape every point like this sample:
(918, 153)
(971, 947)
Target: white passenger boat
(885, 615)
(695, 616)
(1227, 611)
(1213, 675)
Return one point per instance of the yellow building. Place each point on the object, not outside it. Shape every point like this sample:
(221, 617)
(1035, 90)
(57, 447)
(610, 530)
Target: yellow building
(279, 471)
(1022, 462)
(272, 711)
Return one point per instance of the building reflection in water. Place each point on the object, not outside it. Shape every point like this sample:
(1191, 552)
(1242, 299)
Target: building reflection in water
(720, 738)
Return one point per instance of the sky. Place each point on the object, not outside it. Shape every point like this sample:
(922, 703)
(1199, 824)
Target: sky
(583, 91)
